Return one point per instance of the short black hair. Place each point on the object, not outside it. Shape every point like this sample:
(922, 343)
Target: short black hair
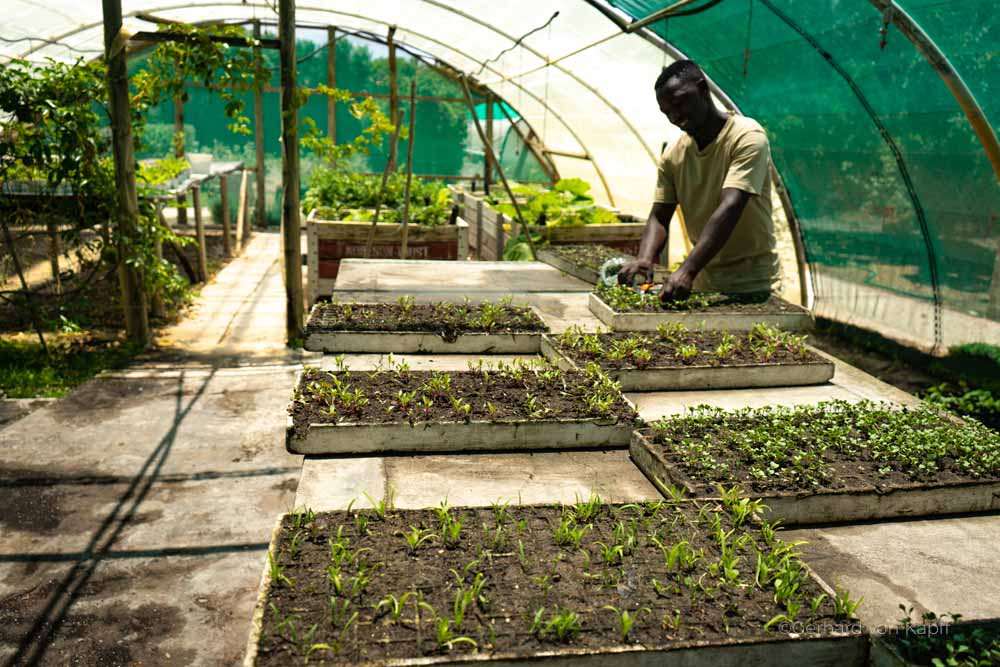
(685, 70)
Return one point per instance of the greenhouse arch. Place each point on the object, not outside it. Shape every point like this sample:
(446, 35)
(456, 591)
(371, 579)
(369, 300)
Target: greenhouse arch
(892, 186)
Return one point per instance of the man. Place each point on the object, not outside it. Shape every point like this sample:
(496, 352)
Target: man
(718, 172)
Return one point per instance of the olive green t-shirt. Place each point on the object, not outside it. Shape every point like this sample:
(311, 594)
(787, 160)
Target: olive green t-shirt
(738, 158)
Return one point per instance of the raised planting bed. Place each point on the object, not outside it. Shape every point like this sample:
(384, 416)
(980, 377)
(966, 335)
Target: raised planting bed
(938, 641)
(407, 327)
(584, 261)
(330, 241)
(675, 357)
(522, 405)
(675, 583)
(829, 462)
(491, 229)
(624, 309)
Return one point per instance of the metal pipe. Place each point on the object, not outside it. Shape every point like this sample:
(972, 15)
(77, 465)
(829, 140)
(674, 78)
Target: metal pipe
(656, 16)
(951, 78)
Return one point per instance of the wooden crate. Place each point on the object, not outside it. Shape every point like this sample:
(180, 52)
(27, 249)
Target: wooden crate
(328, 242)
(487, 236)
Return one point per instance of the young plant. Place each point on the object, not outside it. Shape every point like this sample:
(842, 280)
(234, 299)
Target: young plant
(626, 619)
(416, 537)
(843, 606)
(277, 572)
(564, 625)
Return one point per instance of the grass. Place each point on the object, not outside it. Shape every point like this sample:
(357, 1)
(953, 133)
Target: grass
(27, 372)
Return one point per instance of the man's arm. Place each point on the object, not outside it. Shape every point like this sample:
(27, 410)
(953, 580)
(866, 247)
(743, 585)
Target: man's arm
(654, 239)
(717, 231)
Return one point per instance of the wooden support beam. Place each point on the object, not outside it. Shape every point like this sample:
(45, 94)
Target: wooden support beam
(54, 251)
(290, 207)
(227, 241)
(487, 166)
(145, 37)
(178, 142)
(393, 99)
(242, 225)
(133, 297)
(331, 81)
(258, 139)
(199, 231)
(409, 169)
(156, 305)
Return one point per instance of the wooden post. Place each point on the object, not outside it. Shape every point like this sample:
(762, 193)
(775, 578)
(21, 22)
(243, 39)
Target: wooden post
(479, 229)
(133, 298)
(156, 305)
(258, 132)
(199, 231)
(393, 99)
(182, 214)
(54, 252)
(331, 81)
(241, 214)
(487, 166)
(227, 241)
(503, 177)
(409, 167)
(291, 231)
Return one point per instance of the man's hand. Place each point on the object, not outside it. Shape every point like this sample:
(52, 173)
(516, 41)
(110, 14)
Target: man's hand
(628, 272)
(677, 286)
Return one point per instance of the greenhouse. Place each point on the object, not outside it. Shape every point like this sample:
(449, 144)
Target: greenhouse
(423, 332)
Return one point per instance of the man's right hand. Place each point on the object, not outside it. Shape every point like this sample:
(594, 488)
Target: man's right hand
(638, 267)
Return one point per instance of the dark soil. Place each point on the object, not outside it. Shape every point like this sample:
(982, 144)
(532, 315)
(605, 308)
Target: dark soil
(664, 354)
(519, 580)
(587, 255)
(447, 319)
(806, 458)
(561, 396)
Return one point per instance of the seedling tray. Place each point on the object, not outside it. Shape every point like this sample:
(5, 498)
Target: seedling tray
(584, 261)
(503, 412)
(800, 369)
(776, 312)
(855, 490)
(409, 328)
(486, 583)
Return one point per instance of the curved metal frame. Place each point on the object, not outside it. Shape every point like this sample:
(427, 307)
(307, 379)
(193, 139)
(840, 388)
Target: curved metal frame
(325, 10)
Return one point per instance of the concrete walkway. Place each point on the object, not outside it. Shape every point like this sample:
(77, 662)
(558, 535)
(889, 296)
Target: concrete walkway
(135, 513)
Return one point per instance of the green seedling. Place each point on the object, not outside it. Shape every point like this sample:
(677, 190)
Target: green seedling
(843, 606)
(568, 532)
(626, 619)
(446, 638)
(381, 507)
(564, 625)
(416, 537)
(277, 572)
(611, 554)
(588, 509)
(393, 606)
(500, 512)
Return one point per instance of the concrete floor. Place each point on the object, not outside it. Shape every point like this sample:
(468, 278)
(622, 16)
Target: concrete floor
(135, 513)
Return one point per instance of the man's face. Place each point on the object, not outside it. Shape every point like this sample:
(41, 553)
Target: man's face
(684, 104)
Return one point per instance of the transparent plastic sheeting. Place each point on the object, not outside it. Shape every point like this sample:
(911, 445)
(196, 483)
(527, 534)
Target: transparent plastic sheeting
(598, 102)
(898, 207)
(897, 202)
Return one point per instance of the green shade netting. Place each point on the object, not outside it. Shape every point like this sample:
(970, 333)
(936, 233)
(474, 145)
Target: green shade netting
(893, 192)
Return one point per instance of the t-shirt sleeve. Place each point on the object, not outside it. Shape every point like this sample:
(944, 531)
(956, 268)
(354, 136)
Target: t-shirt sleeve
(748, 168)
(665, 192)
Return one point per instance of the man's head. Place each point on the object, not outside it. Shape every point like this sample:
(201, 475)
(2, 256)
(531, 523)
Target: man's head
(682, 93)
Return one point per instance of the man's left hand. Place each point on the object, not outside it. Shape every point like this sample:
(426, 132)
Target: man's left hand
(677, 286)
